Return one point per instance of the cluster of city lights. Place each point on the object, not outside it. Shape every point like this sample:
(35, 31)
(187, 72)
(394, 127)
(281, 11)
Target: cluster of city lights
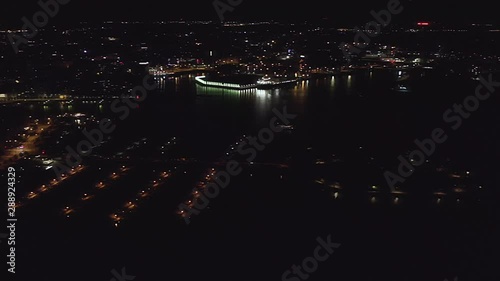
(100, 185)
(146, 192)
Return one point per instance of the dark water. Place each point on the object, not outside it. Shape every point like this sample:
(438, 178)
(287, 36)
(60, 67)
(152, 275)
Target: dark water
(268, 218)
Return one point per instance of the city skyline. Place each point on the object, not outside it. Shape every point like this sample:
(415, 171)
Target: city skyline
(249, 140)
(347, 13)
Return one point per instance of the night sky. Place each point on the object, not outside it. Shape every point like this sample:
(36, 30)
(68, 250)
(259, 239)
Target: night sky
(338, 12)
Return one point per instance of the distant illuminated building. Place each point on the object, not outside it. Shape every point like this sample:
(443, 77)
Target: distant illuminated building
(423, 24)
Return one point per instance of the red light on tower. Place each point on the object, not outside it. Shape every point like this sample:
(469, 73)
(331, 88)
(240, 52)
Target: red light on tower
(423, 24)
